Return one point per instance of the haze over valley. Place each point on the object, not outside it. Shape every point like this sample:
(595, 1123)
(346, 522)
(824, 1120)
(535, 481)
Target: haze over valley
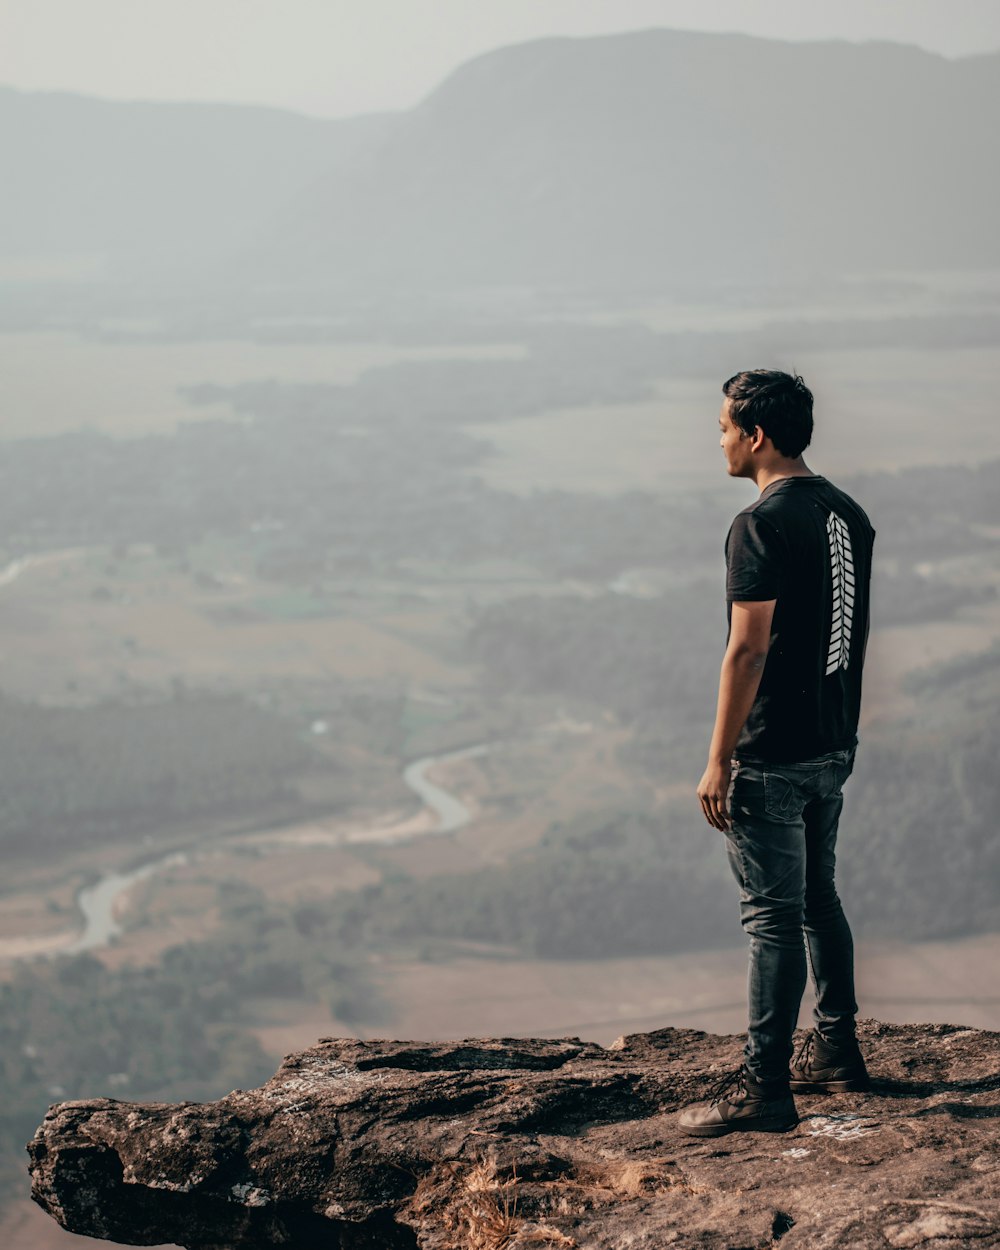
(361, 579)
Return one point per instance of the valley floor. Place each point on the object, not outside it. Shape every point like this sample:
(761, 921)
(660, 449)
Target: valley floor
(598, 1000)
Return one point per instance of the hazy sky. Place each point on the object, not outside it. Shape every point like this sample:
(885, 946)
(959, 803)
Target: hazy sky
(337, 57)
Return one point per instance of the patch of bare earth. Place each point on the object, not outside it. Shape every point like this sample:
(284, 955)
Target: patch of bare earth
(599, 999)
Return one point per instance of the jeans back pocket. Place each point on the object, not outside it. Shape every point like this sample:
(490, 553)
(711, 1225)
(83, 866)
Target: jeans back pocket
(782, 800)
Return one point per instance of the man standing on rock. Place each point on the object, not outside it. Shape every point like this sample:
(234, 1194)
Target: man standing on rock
(798, 565)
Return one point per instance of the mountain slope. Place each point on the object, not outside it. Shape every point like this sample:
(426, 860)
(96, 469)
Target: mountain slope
(144, 186)
(667, 156)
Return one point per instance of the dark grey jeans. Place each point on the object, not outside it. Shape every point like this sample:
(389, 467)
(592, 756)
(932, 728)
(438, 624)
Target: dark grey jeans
(782, 852)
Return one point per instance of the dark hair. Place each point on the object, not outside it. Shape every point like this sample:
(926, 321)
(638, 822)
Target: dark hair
(780, 403)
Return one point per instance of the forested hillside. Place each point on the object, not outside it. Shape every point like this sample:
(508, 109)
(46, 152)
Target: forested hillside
(79, 774)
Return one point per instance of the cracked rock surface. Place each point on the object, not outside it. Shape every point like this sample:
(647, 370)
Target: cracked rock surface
(501, 1143)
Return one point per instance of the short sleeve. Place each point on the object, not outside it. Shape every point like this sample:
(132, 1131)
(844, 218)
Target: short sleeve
(754, 559)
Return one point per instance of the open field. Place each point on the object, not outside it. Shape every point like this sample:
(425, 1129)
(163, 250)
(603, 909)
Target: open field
(598, 1000)
(84, 625)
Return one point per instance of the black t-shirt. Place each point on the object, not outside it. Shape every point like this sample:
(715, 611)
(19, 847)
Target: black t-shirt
(809, 546)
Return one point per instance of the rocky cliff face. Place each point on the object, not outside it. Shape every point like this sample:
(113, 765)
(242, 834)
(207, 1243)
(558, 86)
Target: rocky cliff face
(501, 1143)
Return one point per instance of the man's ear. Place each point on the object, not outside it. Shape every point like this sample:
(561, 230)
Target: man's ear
(757, 439)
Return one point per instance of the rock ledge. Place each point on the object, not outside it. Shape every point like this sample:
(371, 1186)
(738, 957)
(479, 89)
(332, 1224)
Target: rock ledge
(502, 1143)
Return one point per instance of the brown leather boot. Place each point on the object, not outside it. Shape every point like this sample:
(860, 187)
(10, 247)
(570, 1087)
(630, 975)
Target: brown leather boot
(823, 1067)
(739, 1103)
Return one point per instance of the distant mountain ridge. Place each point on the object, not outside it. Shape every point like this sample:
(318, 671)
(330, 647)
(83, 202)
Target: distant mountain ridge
(636, 161)
(643, 159)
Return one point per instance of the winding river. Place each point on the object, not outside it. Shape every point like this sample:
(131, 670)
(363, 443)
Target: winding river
(97, 903)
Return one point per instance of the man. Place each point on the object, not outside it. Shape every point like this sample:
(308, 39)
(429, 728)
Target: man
(798, 565)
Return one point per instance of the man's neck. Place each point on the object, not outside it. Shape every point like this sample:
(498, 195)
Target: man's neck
(768, 474)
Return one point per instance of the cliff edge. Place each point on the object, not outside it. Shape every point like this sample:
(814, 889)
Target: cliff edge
(503, 1143)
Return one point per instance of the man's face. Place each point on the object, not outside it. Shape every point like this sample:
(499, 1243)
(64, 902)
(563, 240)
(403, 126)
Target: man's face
(736, 446)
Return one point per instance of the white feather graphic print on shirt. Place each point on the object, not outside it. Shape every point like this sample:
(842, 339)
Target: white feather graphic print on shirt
(842, 615)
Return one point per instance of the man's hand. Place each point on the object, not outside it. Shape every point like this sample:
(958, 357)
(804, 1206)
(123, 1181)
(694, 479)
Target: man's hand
(742, 666)
(713, 791)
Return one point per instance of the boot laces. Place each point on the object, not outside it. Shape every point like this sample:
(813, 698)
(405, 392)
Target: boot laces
(732, 1083)
(805, 1052)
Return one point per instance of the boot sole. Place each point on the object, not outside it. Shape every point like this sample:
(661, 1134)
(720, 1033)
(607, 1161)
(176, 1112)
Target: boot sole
(739, 1126)
(853, 1085)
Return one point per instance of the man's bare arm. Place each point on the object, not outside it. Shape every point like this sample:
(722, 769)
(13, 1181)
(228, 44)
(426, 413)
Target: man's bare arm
(742, 666)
